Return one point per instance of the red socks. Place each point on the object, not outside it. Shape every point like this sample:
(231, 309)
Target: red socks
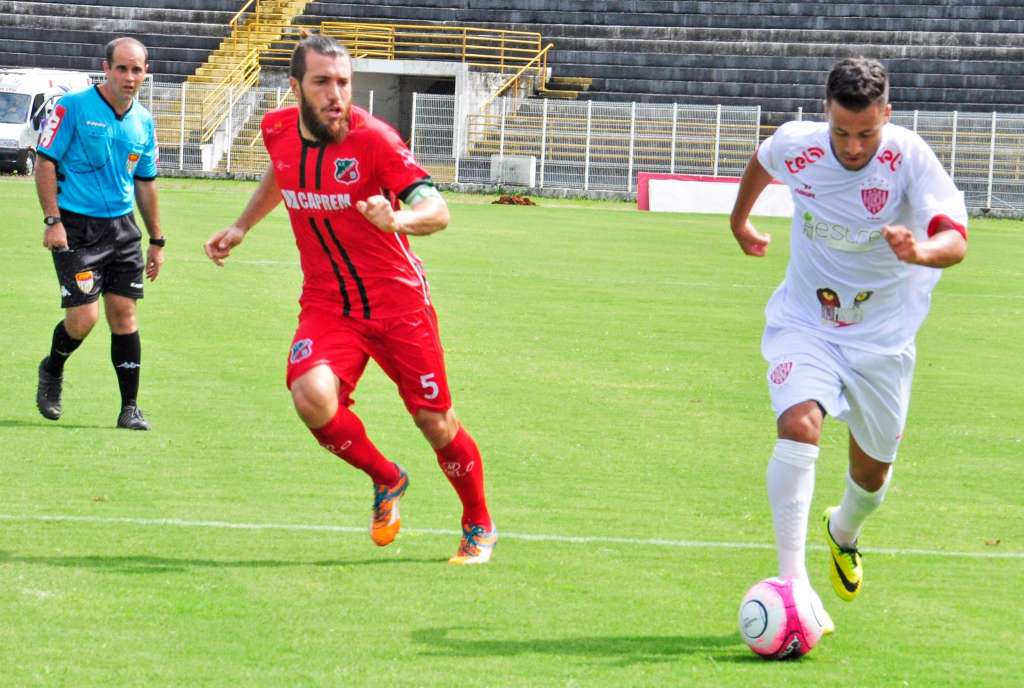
(345, 436)
(460, 461)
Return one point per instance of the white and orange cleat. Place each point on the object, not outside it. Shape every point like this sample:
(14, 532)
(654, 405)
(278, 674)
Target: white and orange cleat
(385, 522)
(476, 546)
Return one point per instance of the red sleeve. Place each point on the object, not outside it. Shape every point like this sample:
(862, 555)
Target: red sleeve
(940, 223)
(397, 169)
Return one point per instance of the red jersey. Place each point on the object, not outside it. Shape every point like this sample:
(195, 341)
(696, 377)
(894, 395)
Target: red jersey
(348, 265)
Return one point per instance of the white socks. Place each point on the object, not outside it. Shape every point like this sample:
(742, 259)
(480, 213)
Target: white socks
(855, 508)
(790, 489)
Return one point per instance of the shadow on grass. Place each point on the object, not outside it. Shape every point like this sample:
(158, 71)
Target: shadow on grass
(148, 564)
(43, 423)
(625, 649)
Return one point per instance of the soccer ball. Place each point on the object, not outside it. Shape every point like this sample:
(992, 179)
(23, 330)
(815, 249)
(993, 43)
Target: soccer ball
(778, 619)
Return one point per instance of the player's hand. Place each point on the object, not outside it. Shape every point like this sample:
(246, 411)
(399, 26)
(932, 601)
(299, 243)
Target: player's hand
(218, 247)
(378, 211)
(902, 242)
(55, 238)
(752, 241)
(154, 259)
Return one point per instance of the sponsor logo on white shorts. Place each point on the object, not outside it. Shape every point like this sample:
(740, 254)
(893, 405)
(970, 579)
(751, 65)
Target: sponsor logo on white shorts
(780, 373)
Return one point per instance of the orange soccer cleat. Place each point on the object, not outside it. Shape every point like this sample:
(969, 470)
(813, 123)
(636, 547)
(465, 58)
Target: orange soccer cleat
(385, 522)
(476, 546)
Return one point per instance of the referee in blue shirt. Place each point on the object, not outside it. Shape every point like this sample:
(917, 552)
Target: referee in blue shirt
(96, 157)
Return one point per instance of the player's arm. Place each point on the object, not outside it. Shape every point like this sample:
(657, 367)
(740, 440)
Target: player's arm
(945, 246)
(55, 237)
(264, 199)
(145, 199)
(426, 213)
(755, 180)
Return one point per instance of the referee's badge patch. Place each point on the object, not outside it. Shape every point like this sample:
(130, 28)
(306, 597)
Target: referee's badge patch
(346, 170)
(301, 350)
(780, 373)
(133, 160)
(52, 125)
(85, 281)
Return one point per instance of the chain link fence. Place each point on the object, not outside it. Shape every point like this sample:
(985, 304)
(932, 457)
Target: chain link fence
(573, 146)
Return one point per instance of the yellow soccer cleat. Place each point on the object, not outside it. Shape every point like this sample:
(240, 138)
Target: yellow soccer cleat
(385, 522)
(476, 546)
(846, 571)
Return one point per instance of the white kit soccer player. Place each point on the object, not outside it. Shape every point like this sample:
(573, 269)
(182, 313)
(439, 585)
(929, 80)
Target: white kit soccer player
(876, 217)
(844, 283)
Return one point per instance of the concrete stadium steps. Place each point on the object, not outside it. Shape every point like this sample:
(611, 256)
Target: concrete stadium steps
(834, 16)
(71, 35)
(128, 14)
(773, 54)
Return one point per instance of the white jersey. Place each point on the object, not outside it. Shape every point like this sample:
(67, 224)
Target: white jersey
(844, 283)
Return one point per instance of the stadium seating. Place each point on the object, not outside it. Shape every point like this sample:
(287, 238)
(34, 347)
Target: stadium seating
(70, 34)
(772, 54)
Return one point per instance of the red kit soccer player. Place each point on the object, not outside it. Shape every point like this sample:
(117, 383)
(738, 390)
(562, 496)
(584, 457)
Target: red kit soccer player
(339, 172)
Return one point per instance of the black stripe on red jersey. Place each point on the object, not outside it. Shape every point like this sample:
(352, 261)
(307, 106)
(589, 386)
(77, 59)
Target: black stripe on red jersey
(320, 164)
(334, 266)
(302, 167)
(351, 269)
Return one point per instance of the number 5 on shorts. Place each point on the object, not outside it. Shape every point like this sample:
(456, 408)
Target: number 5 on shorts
(427, 382)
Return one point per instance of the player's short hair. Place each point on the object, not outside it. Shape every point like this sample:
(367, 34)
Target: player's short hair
(108, 50)
(318, 43)
(856, 83)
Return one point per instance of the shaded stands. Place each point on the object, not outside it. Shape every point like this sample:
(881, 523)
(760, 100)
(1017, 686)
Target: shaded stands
(774, 54)
(70, 34)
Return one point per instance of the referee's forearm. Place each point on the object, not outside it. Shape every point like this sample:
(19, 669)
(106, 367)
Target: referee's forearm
(46, 186)
(145, 196)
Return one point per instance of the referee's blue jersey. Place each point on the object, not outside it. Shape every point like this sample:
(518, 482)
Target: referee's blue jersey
(99, 154)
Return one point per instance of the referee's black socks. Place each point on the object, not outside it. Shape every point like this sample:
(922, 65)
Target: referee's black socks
(126, 355)
(62, 346)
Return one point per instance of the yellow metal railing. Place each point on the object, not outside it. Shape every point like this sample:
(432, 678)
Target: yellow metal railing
(221, 98)
(537, 68)
(491, 48)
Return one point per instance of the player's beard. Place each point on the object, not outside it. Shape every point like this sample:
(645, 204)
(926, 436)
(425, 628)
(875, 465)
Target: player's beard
(323, 133)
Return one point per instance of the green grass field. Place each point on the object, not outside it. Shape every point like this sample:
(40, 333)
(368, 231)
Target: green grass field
(607, 362)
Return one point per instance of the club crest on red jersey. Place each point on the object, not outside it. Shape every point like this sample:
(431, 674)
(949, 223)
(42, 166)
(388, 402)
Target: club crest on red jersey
(874, 195)
(346, 170)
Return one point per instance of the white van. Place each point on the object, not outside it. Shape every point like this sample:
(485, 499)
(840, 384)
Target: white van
(27, 97)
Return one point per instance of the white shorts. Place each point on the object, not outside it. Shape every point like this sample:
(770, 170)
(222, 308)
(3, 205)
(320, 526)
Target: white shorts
(867, 391)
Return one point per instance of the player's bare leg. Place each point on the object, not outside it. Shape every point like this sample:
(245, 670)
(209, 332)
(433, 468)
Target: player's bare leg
(459, 458)
(316, 396)
(67, 336)
(866, 485)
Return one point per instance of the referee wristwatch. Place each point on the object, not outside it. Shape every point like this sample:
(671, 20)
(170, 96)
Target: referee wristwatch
(161, 242)
(51, 220)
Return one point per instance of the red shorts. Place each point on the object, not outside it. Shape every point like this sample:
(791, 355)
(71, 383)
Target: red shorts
(408, 348)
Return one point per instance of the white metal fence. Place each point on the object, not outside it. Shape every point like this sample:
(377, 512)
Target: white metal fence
(575, 145)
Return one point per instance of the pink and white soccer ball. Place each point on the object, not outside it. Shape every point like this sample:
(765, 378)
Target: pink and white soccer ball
(778, 620)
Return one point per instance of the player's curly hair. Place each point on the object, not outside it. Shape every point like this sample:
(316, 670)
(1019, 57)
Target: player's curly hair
(857, 82)
(318, 43)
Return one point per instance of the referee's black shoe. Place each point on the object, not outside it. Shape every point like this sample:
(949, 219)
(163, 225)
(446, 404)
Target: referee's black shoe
(48, 392)
(131, 418)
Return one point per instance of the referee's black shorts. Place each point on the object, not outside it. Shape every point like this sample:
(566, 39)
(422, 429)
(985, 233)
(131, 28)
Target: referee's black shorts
(104, 255)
